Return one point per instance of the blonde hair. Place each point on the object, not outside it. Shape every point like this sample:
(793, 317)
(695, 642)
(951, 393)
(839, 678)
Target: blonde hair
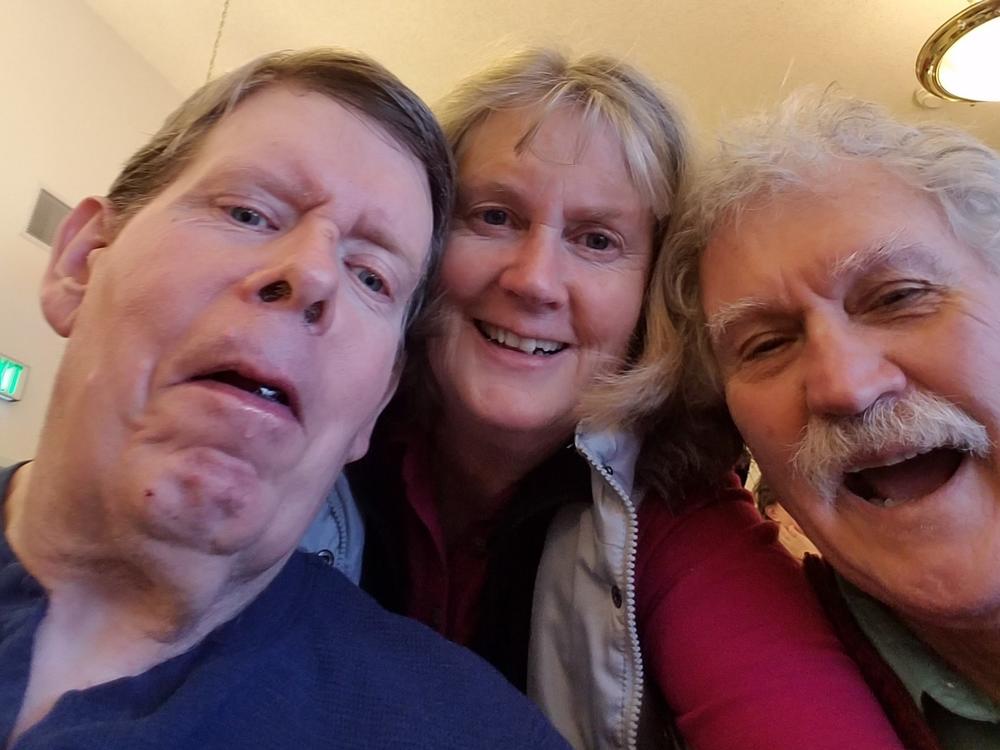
(604, 90)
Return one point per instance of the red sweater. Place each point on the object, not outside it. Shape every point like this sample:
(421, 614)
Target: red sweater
(737, 642)
(731, 632)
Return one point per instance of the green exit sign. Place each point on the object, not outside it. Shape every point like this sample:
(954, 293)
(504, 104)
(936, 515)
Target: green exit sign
(13, 375)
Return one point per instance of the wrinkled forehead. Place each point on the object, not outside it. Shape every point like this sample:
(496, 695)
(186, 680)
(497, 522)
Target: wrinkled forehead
(508, 146)
(561, 132)
(558, 131)
(856, 214)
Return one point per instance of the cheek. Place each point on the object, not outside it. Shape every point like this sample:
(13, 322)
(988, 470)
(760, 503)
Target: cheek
(437, 360)
(443, 340)
(156, 292)
(464, 271)
(606, 316)
(770, 436)
(371, 372)
(959, 360)
(357, 372)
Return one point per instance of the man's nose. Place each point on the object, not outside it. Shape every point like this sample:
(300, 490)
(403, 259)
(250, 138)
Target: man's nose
(534, 270)
(847, 371)
(301, 275)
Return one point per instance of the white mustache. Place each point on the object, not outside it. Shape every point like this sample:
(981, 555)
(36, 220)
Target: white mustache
(917, 422)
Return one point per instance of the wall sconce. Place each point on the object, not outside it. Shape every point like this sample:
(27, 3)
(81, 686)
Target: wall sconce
(961, 60)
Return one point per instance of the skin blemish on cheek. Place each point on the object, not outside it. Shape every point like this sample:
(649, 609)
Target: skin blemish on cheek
(230, 506)
(148, 493)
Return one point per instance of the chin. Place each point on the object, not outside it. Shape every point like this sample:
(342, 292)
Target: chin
(961, 609)
(527, 420)
(946, 597)
(198, 498)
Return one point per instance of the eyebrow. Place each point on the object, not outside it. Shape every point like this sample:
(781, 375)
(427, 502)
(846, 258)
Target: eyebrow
(373, 226)
(293, 185)
(889, 253)
(290, 183)
(733, 313)
(492, 188)
(512, 193)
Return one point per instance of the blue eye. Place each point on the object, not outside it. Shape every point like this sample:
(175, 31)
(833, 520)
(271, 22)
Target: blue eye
(597, 241)
(495, 216)
(371, 280)
(248, 217)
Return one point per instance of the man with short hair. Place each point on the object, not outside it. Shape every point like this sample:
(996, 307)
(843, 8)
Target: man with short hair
(234, 312)
(841, 278)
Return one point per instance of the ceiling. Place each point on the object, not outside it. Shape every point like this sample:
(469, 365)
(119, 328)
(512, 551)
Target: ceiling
(720, 59)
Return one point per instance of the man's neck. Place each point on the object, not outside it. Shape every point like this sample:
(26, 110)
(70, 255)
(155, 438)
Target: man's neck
(111, 612)
(163, 588)
(973, 653)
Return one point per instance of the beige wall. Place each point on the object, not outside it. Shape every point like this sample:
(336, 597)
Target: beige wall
(76, 102)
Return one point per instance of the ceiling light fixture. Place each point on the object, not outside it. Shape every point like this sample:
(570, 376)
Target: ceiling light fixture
(961, 60)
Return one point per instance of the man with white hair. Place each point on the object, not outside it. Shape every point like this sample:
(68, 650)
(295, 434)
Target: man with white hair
(837, 282)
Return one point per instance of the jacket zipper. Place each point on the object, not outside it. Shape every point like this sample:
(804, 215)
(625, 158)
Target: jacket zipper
(338, 519)
(631, 546)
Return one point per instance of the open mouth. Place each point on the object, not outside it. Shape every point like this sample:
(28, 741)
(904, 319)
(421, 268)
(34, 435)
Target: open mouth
(510, 340)
(261, 389)
(905, 478)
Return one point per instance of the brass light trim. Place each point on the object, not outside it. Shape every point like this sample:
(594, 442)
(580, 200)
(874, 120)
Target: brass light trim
(934, 49)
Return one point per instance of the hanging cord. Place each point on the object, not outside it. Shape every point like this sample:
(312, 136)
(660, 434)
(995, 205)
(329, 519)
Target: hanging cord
(218, 38)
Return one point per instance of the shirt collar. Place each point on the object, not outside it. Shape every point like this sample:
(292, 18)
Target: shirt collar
(614, 451)
(921, 671)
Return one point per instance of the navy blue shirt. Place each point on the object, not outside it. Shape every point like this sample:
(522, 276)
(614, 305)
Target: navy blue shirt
(313, 662)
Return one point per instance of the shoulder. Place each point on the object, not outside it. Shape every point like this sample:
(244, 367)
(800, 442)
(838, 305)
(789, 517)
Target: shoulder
(713, 516)
(356, 635)
(397, 679)
(720, 544)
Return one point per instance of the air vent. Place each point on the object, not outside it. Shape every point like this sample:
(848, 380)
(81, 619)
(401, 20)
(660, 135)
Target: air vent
(49, 212)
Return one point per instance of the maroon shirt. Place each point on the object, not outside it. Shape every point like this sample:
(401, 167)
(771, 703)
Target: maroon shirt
(446, 580)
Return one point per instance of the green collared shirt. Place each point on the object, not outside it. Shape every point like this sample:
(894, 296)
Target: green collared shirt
(961, 716)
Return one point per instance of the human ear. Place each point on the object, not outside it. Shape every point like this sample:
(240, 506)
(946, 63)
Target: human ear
(86, 229)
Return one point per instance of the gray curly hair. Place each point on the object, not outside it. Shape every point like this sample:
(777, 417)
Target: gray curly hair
(758, 160)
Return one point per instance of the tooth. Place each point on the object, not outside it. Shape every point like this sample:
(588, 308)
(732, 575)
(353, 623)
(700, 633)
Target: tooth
(885, 502)
(882, 463)
(271, 394)
(513, 341)
(901, 459)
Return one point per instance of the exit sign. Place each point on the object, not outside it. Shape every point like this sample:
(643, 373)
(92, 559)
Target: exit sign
(13, 375)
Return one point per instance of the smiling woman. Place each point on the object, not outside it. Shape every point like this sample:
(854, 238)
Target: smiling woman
(500, 515)
(550, 243)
